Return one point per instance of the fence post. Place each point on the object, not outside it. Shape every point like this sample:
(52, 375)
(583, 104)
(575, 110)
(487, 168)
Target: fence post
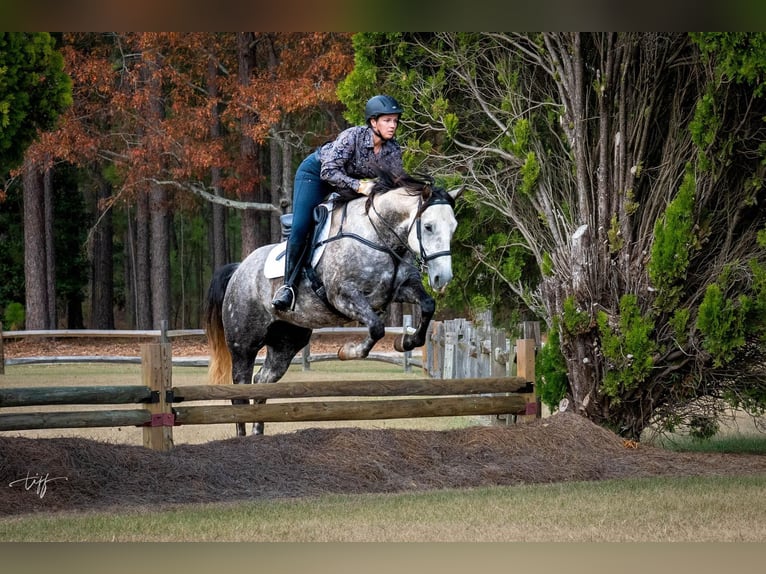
(306, 357)
(406, 325)
(450, 352)
(525, 368)
(433, 360)
(2, 351)
(157, 374)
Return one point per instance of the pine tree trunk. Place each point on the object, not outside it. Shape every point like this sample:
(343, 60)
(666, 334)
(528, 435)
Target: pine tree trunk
(36, 289)
(248, 149)
(160, 256)
(50, 250)
(276, 153)
(102, 289)
(142, 272)
(218, 227)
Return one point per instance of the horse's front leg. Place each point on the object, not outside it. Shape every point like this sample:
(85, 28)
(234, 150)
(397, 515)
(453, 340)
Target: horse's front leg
(406, 341)
(412, 291)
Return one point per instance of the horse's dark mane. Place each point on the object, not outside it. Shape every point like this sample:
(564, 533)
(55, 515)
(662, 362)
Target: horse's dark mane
(413, 184)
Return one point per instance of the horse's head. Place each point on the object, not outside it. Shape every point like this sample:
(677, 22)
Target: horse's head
(429, 220)
(431, 235)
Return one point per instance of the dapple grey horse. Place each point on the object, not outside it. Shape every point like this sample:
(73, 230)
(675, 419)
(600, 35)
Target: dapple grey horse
(372, 255)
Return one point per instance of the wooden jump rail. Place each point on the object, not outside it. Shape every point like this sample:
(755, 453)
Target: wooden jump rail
(439, 398)
(305, 358)
(161, 411)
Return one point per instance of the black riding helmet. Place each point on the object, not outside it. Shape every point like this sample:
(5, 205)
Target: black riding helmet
(381, 105)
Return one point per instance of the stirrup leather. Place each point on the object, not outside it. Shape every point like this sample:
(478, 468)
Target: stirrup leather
(292, 295)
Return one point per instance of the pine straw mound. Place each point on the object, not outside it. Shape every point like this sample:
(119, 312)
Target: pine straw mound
(565, 447)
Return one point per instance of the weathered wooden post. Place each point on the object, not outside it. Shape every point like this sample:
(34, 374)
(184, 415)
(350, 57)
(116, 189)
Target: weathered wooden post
(406, 326)
(433, 361)
(450, 353)
(306, 357)
(157, 374)
(525, 368)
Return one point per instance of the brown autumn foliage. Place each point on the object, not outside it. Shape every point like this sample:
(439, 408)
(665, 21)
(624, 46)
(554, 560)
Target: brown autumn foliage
(294, 74)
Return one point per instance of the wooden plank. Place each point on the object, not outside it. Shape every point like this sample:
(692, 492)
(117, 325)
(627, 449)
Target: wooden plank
(95, 395)
(156, 333)
(74, 419)
(350, 410)
(407, 355)
(394, 387)
(499, 354)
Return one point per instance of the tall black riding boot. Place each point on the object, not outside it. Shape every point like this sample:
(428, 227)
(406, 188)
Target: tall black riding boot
(284, 298)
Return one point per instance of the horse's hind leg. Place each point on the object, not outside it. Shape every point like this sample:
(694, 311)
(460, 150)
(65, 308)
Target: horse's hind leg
(283, 343)
(242, 363)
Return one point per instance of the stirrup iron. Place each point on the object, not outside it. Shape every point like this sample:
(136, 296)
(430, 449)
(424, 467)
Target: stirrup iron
(292, 293)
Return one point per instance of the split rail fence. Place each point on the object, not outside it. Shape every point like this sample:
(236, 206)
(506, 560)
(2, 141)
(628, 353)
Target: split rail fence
(161, 406)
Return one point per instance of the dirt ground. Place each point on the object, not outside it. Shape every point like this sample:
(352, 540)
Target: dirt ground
(81, 474)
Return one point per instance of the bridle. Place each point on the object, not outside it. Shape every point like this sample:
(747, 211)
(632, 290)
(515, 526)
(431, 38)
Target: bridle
(397, 254)
(421, 258)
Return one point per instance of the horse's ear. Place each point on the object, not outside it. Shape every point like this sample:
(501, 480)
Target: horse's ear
(455, 193)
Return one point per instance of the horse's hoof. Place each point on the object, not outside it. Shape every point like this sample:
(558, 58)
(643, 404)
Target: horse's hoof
(347, 352)
(399, 344)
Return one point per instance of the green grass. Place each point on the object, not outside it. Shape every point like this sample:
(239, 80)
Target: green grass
(640, 510)
(661, 510)
(736, 444)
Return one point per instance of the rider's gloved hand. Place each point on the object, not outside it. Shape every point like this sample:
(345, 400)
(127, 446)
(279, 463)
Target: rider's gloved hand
(365, 186)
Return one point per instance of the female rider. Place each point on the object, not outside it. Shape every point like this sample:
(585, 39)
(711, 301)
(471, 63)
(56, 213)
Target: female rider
(357, 153)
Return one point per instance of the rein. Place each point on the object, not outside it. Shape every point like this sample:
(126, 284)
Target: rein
(397, 258)
(422, 258)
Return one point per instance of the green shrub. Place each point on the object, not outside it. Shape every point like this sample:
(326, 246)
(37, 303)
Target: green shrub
(14, 316)
(628, 349)
(551, 369)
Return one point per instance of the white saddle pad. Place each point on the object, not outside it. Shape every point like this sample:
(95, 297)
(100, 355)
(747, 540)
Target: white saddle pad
(275, 261)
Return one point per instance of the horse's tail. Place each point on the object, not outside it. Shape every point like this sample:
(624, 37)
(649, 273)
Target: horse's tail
(219, 370)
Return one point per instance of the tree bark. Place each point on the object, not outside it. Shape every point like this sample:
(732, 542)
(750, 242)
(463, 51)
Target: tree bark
(141, 272)
(248, 150)
(159, 207)
(35, 258)
(102, 285)
(50, 249)
(160, 255)
(218, 227)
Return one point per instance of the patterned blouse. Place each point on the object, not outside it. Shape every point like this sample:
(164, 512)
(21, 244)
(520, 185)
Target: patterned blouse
(351, 157)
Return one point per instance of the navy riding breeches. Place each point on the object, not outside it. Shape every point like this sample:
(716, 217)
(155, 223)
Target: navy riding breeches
(309, 191)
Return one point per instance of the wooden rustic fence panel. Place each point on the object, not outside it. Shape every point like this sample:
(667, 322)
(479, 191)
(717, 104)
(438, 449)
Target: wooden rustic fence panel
(473, 361)
(458, 348)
